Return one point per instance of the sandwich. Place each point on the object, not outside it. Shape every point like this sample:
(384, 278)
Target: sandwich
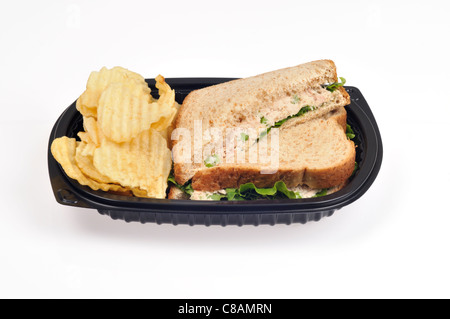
(300, 110)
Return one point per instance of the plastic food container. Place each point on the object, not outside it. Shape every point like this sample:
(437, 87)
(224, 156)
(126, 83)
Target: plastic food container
(368, 156)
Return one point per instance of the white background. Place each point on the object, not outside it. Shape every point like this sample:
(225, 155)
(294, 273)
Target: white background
(393, 242)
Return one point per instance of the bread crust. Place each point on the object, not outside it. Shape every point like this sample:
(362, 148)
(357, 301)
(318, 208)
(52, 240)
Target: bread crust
(221, 177)
(345, 94)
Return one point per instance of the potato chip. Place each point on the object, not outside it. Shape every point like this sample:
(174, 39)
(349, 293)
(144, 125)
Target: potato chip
(91, 127)
(139, 192)
(123, 114)
(98, 81)
(89, 149)
(127, 135)
(84, 137)
(163, 129)
(84, 110)
(64, 151)
(143, 163)
(167, 105)
(85, 161)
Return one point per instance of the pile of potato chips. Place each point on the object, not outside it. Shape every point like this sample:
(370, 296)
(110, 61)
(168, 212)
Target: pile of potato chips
(125, 146)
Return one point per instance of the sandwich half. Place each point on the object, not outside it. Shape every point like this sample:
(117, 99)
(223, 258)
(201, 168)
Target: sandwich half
(301, 108)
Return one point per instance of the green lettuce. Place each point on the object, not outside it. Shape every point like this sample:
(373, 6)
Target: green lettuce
(212, 160)
(250, 192)
(349, 132)
(355, 169)
(301, 112)
(244, 137)
(263, 120)
(186, 188)
(333, 87)
(323, 192)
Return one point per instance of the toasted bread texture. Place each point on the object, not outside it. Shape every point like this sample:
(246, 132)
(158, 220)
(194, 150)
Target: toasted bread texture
(259, 102)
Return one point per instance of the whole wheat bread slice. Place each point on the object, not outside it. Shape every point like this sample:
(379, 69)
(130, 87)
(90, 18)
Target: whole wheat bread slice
(271, 96)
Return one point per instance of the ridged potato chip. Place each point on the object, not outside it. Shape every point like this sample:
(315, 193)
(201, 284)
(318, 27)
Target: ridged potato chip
(86, 111)
(166, 104)
(125, 146)
(64, 151)
(85, 161)
(98, 81)
(123, 114)
(139, 192)
(84, 137)
(88, 149)
(167, 133)
(124, 111)
(91, 128)
(144, 163)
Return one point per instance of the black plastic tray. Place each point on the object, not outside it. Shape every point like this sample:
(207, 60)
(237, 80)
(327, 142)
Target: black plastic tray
(369, 156)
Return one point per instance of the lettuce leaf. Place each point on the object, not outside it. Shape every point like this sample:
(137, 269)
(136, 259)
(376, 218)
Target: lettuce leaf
(355, 169)
(212, 160)
(186, 188)
(323, 192)
(333, 87)
(301, 112)
(349, 132)
(250, 192)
